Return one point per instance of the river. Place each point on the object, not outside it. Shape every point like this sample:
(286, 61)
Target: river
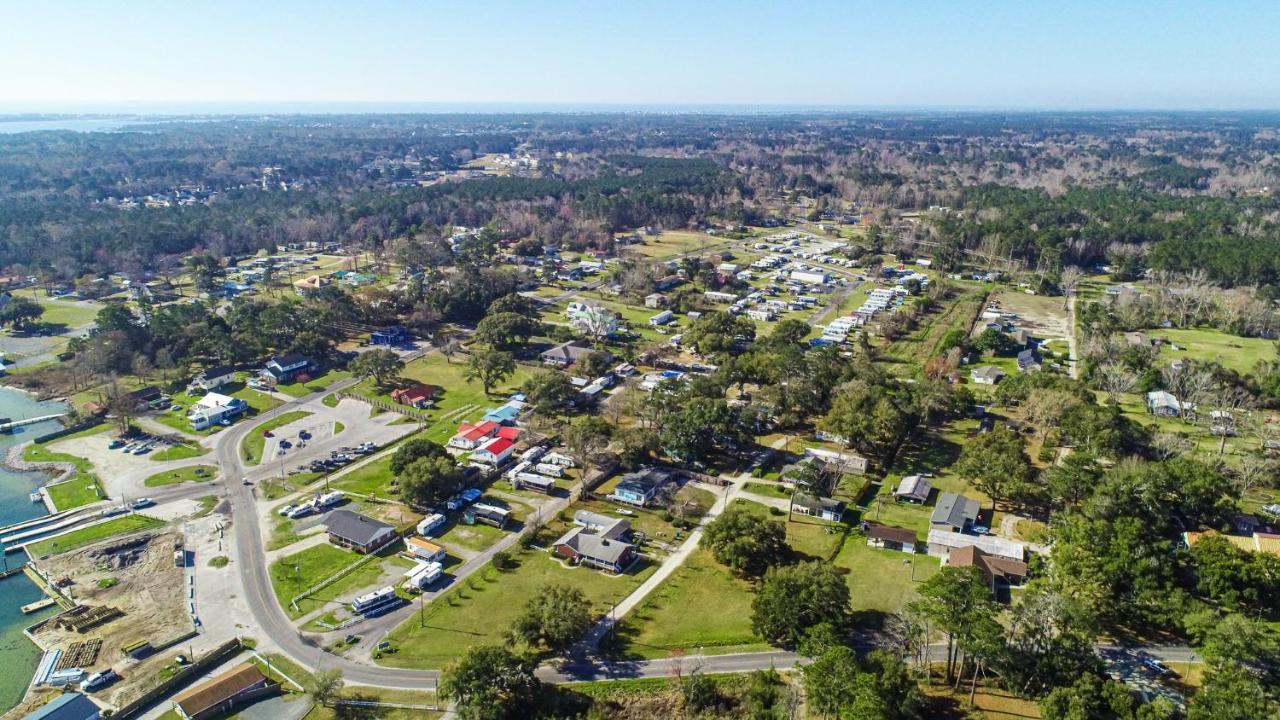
(17, 652)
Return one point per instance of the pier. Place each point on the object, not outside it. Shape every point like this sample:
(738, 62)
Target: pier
(6, 425)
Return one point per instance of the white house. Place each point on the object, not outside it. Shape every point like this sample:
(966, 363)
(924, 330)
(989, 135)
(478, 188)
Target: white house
(214, 408)
(811, 277)
(494, 452)
(662, 318)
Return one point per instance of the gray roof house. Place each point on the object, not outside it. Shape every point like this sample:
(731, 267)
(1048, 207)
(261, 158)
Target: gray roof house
(358, 532)
(1028, 361)
(568, 353)
(953, 512)
(598, 542)
(819, 507)
(913, 488)
(986, 375)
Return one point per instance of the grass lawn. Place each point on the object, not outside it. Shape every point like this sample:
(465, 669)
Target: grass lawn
(476, 537)
(252, 445)
(40, 453)
(79, 490)
(676, 242)
(459, 401)
(372, 477)
(179, 452)
(66, 312)
(956, 313)
(700, 606)
(769, 490)
(315, 384)
(881, 581)
(295, 573)
(92, 534)
(194, 473)
(177, 419)
(1206, 344)
(480, 610)
(809, 537)
(330, 400)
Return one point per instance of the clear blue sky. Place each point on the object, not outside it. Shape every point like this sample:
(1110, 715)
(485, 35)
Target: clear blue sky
(59, 54)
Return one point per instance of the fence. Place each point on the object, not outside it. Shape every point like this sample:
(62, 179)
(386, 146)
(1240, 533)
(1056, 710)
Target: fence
(195, 669)
(388, 406)
(293, 602)
(70, 429)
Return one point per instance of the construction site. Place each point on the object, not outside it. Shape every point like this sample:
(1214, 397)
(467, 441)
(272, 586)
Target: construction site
(126, 601)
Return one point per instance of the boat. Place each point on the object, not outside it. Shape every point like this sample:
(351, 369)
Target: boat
(37, 497)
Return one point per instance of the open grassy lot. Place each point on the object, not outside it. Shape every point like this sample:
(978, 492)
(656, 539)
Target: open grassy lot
(93, 533)
(79, 490)
(480, 610)
(700, 607)
(68, 312)
(956, 313)
(676, 242)
(295, 573)
(194, 473)
(252, 445)
(1208, 345)
(371, 478)
(882, 581)
(460, 400)
(315, 384)
(276, 665)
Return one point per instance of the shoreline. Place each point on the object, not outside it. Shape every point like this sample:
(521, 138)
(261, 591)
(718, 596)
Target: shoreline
(56, 471)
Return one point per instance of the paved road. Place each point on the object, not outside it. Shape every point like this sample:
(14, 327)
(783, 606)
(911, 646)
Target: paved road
(1073, 362)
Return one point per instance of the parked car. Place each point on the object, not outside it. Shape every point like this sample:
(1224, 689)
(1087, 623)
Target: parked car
(288, 509)
(99, 680)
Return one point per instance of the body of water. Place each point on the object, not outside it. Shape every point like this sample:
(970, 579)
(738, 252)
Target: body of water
(17, 652)
(77, 124)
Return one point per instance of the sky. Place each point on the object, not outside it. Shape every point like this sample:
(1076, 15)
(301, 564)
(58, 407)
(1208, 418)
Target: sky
(92, 56)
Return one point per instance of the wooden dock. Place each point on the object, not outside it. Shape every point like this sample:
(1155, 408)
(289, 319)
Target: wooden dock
(38, 605)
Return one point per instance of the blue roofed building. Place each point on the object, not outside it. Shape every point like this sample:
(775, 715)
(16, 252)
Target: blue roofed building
(67, 706)
(390, 336)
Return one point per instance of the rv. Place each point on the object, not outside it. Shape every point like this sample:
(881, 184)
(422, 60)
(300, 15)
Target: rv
(368, 602)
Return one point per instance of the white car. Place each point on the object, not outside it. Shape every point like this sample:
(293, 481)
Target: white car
(287, 509)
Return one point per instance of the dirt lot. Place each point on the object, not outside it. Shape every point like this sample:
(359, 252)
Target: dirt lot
(137, 575)
(1044, 316)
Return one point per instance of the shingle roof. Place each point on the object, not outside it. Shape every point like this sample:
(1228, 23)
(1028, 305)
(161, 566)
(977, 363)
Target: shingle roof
(212, 693)
(954, 510)
(356, 528)
(890, 533)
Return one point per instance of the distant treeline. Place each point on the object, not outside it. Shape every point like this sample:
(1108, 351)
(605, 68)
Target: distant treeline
(1228, 238)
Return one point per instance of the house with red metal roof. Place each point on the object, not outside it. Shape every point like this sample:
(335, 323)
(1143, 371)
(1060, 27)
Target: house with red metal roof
(470, 437)
(495, 451)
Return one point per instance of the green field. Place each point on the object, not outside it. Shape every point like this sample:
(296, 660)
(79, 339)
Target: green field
(70, 313)
(372, 477)
(676, 242)
(700, 607)
(179, 452)
(255, 441)
(1208, 345)
(479, 610)
(461, 400)
(92, 534)
(881, 581)
(194, 473)
(79, 490)
(295, 573)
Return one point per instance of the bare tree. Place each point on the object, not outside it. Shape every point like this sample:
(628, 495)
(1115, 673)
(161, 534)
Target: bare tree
(1251, 471)
(1116, 380)
(1069, 279)
(1168, 444)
